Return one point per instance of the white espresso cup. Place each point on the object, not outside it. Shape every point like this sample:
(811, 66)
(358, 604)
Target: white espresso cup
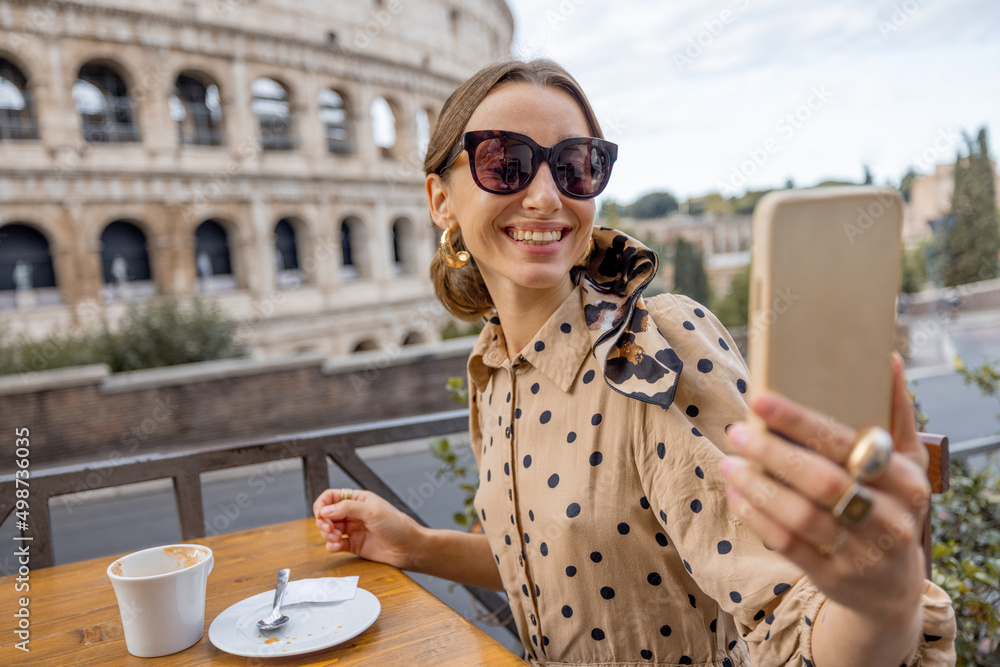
(161, 597)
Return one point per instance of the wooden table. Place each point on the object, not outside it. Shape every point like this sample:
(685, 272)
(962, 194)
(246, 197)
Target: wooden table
(75, 619)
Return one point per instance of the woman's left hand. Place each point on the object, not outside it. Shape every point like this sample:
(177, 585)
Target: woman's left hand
(875, 568)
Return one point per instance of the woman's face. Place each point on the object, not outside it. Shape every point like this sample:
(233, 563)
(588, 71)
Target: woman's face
(494, 226)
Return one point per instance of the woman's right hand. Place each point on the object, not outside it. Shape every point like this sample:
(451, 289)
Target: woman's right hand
(367, 526)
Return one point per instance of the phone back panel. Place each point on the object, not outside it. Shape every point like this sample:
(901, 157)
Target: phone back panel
(823, 289)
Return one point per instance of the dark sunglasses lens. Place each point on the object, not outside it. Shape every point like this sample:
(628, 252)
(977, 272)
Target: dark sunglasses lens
(503, 165)
(582, 169)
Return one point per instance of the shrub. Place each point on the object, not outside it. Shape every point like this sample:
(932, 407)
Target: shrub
(966, 555)
(453, 463)
(163, 332)
(455, 329)
(733, 309)
(19, 354)
(168, 331)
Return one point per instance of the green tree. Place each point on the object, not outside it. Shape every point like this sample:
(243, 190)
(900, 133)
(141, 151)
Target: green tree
(710, 203)
(716, 203)
(733, 309)
(833, 182)
(975, 239)
(906, 184)
(939, 251)
(914, 272)
(664, 254)
(745, 203)
(611, 213)
(690, 278)
(653, 205)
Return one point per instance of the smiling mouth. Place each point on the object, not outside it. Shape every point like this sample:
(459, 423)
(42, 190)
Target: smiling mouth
(535, 238)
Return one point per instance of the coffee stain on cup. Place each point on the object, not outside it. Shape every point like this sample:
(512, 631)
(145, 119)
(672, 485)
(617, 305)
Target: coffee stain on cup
(116, 568)
(184, 556)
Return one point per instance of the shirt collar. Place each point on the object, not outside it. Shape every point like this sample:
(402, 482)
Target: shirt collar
(557, 350)
(606, 314)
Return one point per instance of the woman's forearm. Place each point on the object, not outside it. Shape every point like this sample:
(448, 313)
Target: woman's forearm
(843, 638)
(457, 556)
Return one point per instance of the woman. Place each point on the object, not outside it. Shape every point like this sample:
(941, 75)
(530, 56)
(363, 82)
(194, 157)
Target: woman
(624, 523)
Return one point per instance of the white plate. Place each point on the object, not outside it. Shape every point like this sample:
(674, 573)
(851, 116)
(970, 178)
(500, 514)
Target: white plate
(312, 626)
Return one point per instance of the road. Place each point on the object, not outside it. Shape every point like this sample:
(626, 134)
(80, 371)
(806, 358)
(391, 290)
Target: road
(113, 521)
(953, 407)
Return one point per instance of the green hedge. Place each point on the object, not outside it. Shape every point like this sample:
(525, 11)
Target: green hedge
(162, 332)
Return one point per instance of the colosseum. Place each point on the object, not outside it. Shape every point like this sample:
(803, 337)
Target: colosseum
(266, 153)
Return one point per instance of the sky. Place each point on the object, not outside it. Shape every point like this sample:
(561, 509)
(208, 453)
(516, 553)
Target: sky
(730, 95)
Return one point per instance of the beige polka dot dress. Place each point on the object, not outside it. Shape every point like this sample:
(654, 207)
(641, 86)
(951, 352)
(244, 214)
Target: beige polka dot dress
(600, 491)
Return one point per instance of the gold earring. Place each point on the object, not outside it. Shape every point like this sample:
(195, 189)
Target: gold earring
(448, 254)
(587, 254)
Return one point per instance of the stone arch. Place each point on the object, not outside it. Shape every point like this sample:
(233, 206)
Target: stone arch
(18, 120)
(337, 117)
(355, 262)
(272, 104)
(404, 246)
(126, 269)
(387, 131)
(196, 108)
(32, 64)
(203, 70)
(414, 338)
(365, 345)
(289, 234)
(127, 239)
(101, 95)
(27, 272)
(213, 256)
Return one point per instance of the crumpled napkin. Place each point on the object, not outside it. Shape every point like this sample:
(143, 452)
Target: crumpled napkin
(326, 589)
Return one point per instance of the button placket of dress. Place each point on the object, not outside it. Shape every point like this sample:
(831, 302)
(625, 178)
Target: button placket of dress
(533, 614)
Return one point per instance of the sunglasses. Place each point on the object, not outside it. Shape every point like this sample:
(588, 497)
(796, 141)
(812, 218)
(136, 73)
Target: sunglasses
(503, 163)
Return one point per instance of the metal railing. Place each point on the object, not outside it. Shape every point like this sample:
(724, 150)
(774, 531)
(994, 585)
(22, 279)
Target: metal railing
(314, 448)
(184, 468)
(976, 446)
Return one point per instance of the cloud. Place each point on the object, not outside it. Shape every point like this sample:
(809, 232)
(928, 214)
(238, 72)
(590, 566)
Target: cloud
(900, 70)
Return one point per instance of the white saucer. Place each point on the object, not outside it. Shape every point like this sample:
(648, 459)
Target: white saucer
(312, 626)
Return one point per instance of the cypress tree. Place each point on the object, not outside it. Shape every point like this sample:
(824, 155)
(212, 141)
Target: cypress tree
(975, 239)
(690, 278)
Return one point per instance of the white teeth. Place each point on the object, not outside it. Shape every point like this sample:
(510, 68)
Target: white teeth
(534, 237)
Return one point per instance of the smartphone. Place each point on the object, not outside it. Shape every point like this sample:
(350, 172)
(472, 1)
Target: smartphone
(824, 281)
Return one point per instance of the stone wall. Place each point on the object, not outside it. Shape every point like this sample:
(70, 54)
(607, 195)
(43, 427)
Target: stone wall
(87, 414)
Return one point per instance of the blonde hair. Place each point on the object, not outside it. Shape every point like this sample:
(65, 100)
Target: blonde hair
(463, 291)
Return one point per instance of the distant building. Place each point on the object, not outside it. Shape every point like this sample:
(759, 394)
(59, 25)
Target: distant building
(930, 199)
(264, 153)
(723, 240)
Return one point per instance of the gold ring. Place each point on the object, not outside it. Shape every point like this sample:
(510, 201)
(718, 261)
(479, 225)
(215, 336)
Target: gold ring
(346, 494)
(869, 458)
(838, 544)
(854, 506)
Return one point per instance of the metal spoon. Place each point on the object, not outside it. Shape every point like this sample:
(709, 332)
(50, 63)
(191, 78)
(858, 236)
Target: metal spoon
(275, 619)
